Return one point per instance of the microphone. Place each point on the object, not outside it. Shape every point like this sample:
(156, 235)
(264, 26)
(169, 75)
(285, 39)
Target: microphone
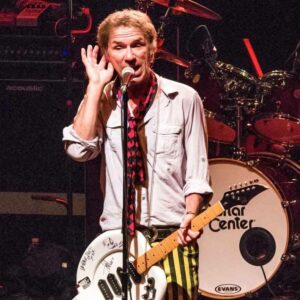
(200, 44)
(127, 74)
(296, 62)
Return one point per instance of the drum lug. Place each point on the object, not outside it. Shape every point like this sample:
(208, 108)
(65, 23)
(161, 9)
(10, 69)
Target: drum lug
(285, 204)
(252, 162)
(288, 257)
(296, 241)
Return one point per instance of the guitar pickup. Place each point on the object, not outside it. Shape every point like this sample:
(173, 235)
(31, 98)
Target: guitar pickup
(113, 282)
(136, 277)
(105, 290)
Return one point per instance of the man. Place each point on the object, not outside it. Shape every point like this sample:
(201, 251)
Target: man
(167, 165)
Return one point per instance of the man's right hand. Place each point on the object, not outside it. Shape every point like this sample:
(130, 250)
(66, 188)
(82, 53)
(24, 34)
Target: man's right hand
(98, 73)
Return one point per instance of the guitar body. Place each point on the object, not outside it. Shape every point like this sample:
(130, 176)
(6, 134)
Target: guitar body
(102, 262)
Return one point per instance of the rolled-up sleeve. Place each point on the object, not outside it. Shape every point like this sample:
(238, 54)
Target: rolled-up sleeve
(79, 149)
(197, 173)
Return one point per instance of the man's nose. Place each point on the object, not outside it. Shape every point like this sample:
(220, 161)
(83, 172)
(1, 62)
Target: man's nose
(129, 55)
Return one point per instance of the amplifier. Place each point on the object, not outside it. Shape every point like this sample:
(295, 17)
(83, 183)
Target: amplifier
(30, 15)
(39, 57)
(33, 114)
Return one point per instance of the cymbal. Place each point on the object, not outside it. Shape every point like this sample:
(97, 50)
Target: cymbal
(168, 56)
(191, 7)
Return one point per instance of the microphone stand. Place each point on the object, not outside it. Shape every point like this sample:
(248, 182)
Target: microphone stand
(69, 82)
(124, 129)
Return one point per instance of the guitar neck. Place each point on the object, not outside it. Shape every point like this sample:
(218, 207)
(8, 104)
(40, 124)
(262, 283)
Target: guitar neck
(158, 252)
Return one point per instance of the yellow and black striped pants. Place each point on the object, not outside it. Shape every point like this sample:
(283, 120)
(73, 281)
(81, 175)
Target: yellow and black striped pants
(181, 268)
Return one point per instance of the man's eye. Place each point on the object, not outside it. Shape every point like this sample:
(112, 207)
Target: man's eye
(138, 45)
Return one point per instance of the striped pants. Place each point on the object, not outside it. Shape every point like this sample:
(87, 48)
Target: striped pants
(181, 268)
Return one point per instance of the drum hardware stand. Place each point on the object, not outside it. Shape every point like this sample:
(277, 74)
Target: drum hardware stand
(164, 20)
(239, 152)
(143, 5)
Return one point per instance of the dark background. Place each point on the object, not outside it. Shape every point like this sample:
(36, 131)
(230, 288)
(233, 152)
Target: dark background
(33, 97)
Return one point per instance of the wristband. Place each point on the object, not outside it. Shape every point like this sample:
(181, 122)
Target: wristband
(190, 213)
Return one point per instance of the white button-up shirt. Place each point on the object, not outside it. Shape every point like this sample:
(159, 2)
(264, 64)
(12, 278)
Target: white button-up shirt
(174, 145)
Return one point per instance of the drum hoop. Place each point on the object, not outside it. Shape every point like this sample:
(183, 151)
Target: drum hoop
(286, 213)
(249, 166)
(279, 115)
(267, 154)
(218, 117)
(276, 73)
(290, 162)
(235, 70)
(214, 296)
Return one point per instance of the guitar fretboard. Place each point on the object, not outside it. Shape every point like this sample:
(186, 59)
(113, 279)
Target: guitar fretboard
(155, 254)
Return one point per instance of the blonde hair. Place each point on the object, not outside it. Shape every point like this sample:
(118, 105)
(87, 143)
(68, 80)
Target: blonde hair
(127, 18)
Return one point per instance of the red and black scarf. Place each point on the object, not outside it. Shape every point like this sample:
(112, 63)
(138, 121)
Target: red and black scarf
(135, 166)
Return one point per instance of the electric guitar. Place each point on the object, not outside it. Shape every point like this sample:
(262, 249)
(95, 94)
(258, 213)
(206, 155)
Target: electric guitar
(100, 268)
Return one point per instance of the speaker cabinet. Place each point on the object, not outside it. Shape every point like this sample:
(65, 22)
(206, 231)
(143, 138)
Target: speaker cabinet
(33, 114)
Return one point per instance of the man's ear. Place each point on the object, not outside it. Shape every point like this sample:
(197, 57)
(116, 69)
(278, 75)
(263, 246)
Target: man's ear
(106, 55)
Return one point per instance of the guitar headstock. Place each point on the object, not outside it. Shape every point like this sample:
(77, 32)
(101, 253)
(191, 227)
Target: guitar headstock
(241, 194)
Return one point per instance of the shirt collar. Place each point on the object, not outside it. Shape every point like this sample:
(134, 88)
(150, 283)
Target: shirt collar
(168, 87)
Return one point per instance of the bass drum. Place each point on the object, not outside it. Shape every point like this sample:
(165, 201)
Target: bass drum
(246, 246)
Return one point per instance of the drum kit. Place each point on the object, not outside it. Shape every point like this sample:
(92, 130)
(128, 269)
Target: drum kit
(254, 135)
(262, 240)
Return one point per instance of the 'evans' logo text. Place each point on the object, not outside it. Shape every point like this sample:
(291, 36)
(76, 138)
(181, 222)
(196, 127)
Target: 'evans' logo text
(227, 289)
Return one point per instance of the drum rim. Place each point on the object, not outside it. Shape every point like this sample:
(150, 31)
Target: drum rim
(276, 114)
(265, 153)
(281, 158)
(277, 72)
(246, 163)
(235, 70)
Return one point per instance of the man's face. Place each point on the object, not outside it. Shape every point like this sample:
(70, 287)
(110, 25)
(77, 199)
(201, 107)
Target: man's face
(127, 46)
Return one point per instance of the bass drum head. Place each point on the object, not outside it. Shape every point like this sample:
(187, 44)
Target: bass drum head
(246, 241)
